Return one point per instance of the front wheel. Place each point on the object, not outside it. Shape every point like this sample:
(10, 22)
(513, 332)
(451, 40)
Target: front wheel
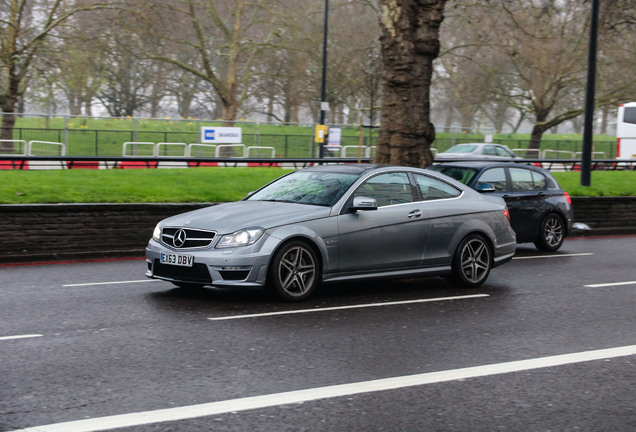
(551, 234)
(472, 261)
(294, 273)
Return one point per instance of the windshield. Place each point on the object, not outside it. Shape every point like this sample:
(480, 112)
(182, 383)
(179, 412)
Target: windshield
(462, 148)
(307, 187)
(461, 174)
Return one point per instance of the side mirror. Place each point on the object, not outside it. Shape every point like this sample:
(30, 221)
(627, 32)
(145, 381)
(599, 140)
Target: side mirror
(364, 203)
(485, 187)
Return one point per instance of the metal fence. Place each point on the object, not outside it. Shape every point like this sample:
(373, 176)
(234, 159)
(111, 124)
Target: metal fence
(95, 142)
(105, 136)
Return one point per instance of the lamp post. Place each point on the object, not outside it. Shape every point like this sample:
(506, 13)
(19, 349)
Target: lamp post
(323, 92)
(586, 160)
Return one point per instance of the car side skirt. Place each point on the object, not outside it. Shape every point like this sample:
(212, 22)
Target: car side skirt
(388, 274)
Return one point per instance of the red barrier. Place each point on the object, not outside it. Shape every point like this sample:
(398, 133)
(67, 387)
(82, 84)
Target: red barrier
(262, 164)
(136, 164)
(198, 164)
(14, 164)
(82, 164)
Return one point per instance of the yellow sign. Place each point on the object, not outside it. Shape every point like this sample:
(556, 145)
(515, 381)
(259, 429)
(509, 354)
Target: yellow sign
(321, 132)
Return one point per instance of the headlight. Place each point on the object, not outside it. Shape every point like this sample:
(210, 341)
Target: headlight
(156, 234)
(242, 237)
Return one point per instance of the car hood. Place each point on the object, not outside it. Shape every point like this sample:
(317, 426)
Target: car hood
(230, 217)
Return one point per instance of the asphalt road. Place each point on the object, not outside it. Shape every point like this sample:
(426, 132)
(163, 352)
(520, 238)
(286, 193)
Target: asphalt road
(547, 344)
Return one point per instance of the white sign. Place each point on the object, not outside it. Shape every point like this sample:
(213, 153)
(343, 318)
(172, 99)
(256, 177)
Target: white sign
(334, 139)
(221, 135)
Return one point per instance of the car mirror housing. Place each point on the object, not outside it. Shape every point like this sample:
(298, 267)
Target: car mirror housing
(364, 203)
(485, 187)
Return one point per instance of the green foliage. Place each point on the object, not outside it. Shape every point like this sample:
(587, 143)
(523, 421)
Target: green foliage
(209, 184)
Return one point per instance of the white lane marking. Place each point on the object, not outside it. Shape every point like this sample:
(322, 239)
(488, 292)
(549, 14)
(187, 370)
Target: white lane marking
(552, 256)
(299, 396)
(610, 284)
(26, 336)
(368, 305)
(111, 283)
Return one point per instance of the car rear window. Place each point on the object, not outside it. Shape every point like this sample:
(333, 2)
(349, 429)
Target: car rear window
(462, 148)
(527, 180)
(432, 188)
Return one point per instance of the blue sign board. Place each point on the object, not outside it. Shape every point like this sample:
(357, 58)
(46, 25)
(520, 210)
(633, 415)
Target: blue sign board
(221, 135)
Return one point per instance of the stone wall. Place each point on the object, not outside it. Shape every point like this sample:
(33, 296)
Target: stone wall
(606, 215)
(47, 232)
(71, 231)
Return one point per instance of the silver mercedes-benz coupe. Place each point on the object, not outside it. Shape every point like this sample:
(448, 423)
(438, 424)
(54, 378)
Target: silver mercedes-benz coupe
(336, 223)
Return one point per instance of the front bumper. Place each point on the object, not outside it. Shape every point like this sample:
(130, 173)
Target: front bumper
(235, 267)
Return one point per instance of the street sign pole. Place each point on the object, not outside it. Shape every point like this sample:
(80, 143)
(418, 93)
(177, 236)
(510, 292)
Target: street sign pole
(588, 130)
(323, 96)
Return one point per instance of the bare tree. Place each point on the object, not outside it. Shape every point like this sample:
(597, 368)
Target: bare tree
(25, 26)
(534, 54)
(284, 80)
(74, 64)
(409, 43)
(224, 35)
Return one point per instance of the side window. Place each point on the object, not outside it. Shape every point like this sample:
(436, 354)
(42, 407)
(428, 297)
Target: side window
(387, 189)
(540, 181)
(490, 150)
(432, 188)
(496, 177)
(521, 179)
(501, 151)
(630, 115)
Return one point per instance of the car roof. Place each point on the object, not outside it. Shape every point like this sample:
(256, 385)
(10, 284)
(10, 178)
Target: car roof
(480, 144)
(345, 168)
(489, 164)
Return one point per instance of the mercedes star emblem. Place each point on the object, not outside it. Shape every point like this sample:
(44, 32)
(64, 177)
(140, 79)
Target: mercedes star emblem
(179, 238)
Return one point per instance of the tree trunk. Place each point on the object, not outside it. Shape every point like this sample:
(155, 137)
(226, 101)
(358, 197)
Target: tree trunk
(230, 111)
(74, 103)
(536, 135)
(410, 42)
(8, 122)
(8, 105)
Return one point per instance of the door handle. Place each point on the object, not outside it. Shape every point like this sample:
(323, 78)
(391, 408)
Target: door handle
(415, 214)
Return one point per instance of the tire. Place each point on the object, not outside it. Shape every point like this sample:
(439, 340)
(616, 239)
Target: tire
(294, 272)
(551, 233)
(472, 261)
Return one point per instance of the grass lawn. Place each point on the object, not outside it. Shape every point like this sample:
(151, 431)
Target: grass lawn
(211, 184)
(132, 185)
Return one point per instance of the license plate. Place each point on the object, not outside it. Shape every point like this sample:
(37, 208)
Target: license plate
(177, 259)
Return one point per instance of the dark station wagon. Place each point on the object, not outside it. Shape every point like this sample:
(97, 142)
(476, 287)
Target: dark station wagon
(540, 211)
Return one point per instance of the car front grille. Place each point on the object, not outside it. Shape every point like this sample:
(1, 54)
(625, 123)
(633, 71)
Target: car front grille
(198, 273)
(184, 238)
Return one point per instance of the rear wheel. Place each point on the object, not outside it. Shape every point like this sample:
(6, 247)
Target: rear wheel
(294, 272)
(472, 261)
(551, 233)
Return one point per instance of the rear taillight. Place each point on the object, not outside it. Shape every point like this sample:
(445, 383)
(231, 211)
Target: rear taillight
(507, 214)
(567, 197)
(618, 148)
